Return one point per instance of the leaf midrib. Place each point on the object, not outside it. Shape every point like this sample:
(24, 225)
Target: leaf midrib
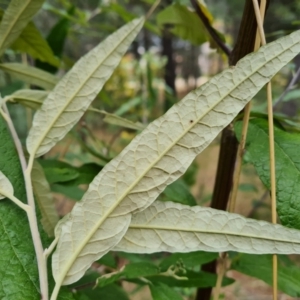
(216, 232)
(42, 137)
(69, 264)
(24, 72)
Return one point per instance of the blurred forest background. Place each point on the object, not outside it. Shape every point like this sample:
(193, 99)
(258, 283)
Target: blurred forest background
(174, 53)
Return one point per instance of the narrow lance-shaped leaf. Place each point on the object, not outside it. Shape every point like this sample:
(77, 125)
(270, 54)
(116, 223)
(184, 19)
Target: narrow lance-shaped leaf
(44, 199)
(15, 19)
(34, 99)
(30, 75)
(29, 98)
(157, 157)
(74, 93)
(173, 227)
(5, 186)
(32, 42)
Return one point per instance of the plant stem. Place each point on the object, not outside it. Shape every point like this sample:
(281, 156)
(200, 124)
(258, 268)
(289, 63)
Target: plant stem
(15, 200)
(212, 31)
(271, 143)
(38, 247)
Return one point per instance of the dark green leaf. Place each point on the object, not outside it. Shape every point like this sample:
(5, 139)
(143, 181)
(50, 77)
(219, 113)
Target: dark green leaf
(108, 260)
(193, 279)
(72, 192)
(130, 271)
(260, 266)
(160, 291)
(86, 172)
(189, 260)
(56, 40)
(58, 171)
(178, 192)
(109, 292)
(61, 172)
(287, 166)
(31, 42)
(18, 268)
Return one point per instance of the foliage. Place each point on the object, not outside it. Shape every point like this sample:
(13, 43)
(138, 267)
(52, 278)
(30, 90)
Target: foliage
(132, 205)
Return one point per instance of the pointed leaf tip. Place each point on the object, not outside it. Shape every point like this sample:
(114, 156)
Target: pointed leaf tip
(72, 96)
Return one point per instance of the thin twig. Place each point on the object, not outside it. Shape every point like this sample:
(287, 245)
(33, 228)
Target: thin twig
(152, 9)
(31, 213)
(221, 273)
(272, 148)
(289, 87)
(212, 31)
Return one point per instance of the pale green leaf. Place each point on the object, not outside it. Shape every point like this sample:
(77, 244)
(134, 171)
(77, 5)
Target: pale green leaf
(75, 92)
(32, 42)
(30, 75)
(44, 199)
(157, 157)
(29, 98)
(116, 120)
(173, 227)
(15, 19)
(5, 185)
(34, 99)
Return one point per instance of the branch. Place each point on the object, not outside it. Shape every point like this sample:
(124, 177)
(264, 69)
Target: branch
(212, 31)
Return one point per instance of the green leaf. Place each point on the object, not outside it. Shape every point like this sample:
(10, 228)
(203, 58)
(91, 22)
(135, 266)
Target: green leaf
(75, 93)
(87, 172)
(190, 279)
(66, 174)
(287, 166)
(32, 42)
(29, 98)
(261, 266)
(189, 260)
(292, 95)
(179, 192)
(109, 292)
(34, 99)
(44, 199)
(157, 157)
(173, 227)
(58, 171)
(108, 260)
(183, 22)
(124, 108)
(18, 268)
(116, 120)
(30, 75)
(15, 19)
(72, 192)
(160, 291)
(56, 40)
(130, 271)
